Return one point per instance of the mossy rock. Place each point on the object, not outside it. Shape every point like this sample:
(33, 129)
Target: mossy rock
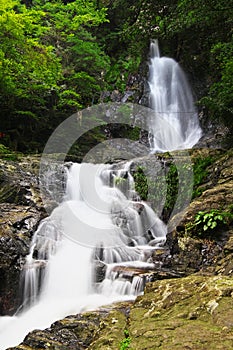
(194, 313)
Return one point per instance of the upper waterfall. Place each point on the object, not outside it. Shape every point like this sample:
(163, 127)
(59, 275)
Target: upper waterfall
(175, 123)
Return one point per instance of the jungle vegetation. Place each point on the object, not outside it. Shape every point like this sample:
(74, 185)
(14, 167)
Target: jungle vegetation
(59, 56)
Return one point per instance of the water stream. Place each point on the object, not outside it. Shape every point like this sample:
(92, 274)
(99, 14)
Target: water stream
(98, 222)
(175, 123)
(86, 252)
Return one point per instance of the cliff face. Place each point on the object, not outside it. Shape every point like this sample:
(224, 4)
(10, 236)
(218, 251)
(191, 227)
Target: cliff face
(21, 210)
(193, 311)
(195, 246)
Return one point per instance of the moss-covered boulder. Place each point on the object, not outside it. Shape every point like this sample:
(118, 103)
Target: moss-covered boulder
(102, 329)
(195, 312)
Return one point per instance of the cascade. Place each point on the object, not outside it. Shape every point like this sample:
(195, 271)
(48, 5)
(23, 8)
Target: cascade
(90, 251)
(99, 223)
(175, 123)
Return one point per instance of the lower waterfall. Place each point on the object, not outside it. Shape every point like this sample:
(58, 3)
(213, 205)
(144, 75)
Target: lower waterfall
(100, 226)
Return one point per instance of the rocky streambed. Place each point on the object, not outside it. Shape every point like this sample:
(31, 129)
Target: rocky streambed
(188, 302)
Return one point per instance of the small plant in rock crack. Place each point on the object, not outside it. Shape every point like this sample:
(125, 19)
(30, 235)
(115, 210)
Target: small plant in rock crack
(118, 181)
(209, 222)
(124, 344)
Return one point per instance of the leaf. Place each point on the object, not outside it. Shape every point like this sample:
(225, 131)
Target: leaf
(213, 225)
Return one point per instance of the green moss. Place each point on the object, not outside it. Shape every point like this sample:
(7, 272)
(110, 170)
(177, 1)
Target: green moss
(7, 154)
(134, 133)
(172, 187)
(193, 312)
(200, 173)
(141, 185)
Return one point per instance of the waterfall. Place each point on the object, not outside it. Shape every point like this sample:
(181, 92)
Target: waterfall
(175, 123)
(100, 226)
(94, 247)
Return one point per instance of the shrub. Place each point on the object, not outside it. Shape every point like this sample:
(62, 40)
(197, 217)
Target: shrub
(209, 223)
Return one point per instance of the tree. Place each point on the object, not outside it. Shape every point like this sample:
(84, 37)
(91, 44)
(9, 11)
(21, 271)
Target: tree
(197, 34)
(28, 72)
(51, 66)
(204, 34)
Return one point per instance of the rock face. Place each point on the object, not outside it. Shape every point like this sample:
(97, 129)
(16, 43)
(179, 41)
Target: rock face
(19, 181)
(21, 210)
(189, 313)
(194, 313)
(191, 250)
(188, 303)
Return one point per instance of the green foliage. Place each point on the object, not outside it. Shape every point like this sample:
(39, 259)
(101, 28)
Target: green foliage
(26, 64)
(220, 97)
(200, 173)
(118, 180)
(125, 343)
(120, 71)
(67, 99)
(6, 153)
(210, 223)
(141, 185)
(28, 71)
(50, 66)
(172, 187)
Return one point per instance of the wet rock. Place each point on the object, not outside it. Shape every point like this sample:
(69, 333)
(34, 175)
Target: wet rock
(19, 182)
(191, 251)
(101, 329)
(188, 313)
(17, 225)
(194, 313)
(21, 209)
(100, 270)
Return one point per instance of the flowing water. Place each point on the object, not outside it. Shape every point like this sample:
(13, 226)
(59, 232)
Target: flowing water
(88, 252)
(175, 123)
(98, 224)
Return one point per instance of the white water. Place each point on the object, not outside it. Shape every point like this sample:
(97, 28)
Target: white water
(98, 221)
(175, 123)
(97, 217)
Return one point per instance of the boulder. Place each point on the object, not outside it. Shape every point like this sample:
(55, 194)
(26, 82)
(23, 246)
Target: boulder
(21, 209)
(17, 225)
(187, 313)
(194, 312)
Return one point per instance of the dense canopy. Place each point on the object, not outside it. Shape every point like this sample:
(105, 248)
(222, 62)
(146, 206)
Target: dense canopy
(57, 57)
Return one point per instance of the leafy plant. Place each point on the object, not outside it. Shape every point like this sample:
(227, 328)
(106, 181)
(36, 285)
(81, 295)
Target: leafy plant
(210, 222)
(118, 180)
(141, 185)
(124, 344)
(7, 154)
